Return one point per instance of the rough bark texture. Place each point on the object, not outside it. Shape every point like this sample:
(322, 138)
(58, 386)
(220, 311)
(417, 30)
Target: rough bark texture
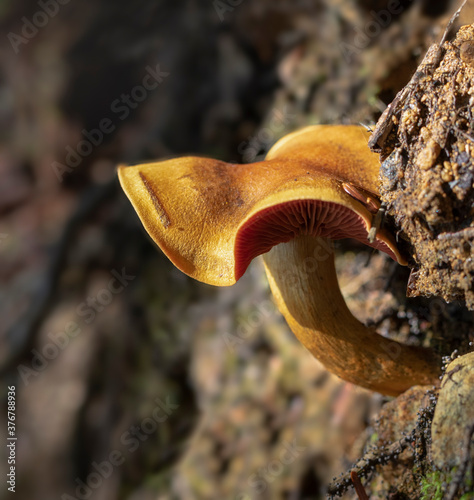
(453, 420)
(427, 172)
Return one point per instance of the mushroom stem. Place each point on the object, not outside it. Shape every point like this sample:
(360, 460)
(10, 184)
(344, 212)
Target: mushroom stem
(303, 280)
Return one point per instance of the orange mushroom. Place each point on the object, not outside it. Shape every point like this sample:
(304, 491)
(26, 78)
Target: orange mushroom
(212, 218)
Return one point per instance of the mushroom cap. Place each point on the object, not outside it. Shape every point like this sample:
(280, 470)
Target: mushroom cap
(212, 218)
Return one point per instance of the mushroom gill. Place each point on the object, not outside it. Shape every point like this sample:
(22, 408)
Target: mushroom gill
(286, 221)
(318, 184)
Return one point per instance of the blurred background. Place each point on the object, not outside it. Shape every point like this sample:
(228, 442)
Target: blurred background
(132, 380)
